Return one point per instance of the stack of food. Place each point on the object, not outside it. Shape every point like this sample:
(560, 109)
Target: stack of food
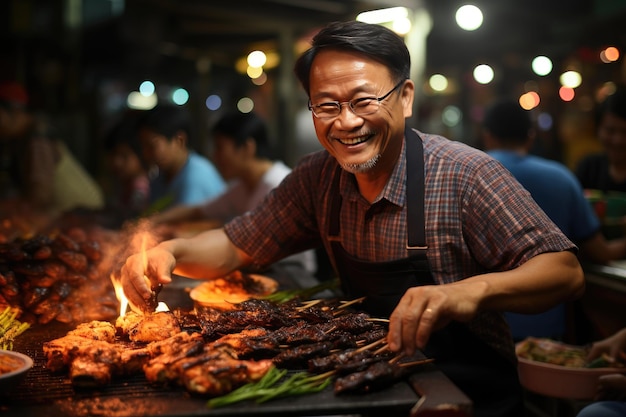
(55, 277)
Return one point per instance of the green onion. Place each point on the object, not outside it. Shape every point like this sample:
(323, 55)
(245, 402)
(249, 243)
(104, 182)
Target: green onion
(10, 328)
(269, 387)
(305, 293)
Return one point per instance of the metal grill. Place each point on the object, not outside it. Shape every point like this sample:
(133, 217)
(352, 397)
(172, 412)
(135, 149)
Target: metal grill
(42, 393)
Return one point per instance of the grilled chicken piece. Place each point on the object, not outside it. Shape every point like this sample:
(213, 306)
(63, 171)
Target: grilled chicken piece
(95, 365)
(150, 327)
(95, 330)
(173, 344)
(60, 352)
(255, 343)
(134, 360)
(219, 377)
(166, 367)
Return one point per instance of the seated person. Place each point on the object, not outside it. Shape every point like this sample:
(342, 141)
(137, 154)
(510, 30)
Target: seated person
(182, 176)
(129, 185)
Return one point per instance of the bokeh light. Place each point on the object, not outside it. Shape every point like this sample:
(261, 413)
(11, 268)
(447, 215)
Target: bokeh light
(451, 116)
(254, 72)
(146, 88)
(138, 101)
(542, 65)
(483, 74)
(469, 17)
(260, 80)
(245, 105)
(567, 93)
(610, 54)
(213, 102)
(571, 79)
(438, 82)
(180, 96)
(529, 100)
(256, 59)
(544, 121)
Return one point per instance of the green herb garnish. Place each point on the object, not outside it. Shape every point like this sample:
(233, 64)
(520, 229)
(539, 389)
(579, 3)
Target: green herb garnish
(270, 387)
(10, 328)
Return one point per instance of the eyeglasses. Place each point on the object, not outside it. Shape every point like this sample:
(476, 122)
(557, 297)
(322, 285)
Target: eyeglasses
(359, 106)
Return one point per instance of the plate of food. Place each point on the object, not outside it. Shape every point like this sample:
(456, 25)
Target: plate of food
(234, 288)
(13, 368)
(560, 370)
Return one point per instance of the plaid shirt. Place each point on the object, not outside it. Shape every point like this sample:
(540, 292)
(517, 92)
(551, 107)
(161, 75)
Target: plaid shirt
(478, 219)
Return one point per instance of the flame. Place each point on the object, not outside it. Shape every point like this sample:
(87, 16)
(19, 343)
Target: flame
(119, 294)
(117, 281)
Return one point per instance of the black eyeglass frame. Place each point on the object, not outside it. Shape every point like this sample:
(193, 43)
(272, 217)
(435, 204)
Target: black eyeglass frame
(339, 105)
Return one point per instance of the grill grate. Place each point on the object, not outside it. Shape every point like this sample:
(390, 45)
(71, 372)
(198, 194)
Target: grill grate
(44, 393)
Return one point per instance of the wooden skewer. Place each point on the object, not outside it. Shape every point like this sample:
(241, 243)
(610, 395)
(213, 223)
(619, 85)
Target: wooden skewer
(371, 345)
(345, 304)
(332, 329)
(416, 363)
(382, 349)
(377, 319)
(308, 304)
(396, 358)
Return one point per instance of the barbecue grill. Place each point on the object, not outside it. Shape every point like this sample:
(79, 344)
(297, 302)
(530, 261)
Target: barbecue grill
(427, 392)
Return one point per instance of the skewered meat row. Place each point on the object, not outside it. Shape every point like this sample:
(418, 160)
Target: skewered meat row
(204, 364)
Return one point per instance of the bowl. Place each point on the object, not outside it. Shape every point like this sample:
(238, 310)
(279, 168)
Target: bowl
(560, 381)
(13, 368)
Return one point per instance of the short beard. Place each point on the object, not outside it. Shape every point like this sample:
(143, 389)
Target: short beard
(362, 168)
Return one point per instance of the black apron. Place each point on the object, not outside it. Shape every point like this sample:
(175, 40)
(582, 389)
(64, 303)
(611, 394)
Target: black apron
(489, 379)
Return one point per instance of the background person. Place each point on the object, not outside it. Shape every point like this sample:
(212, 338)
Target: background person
(243, 156)
(37, 169)
(129, 186)
(434, 266)
(606, 171)
(183, 176)
(508, 136)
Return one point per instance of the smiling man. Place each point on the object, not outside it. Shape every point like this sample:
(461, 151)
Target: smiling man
(436, 235)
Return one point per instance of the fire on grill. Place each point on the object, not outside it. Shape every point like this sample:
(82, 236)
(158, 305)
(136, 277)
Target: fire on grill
(212, 352)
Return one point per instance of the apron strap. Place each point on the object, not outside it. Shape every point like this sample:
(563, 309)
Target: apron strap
(415, 217)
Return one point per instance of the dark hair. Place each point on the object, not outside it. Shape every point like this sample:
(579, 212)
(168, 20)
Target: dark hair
(375, 41)
(241, 126)
(167, 121)
(123, 132)
(508, 122)
(614, 104)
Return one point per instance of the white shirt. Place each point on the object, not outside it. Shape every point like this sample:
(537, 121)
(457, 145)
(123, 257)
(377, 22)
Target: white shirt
(238, 199)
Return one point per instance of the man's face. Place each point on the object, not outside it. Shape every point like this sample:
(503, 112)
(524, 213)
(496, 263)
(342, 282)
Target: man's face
(361, 144)
(612, 135)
